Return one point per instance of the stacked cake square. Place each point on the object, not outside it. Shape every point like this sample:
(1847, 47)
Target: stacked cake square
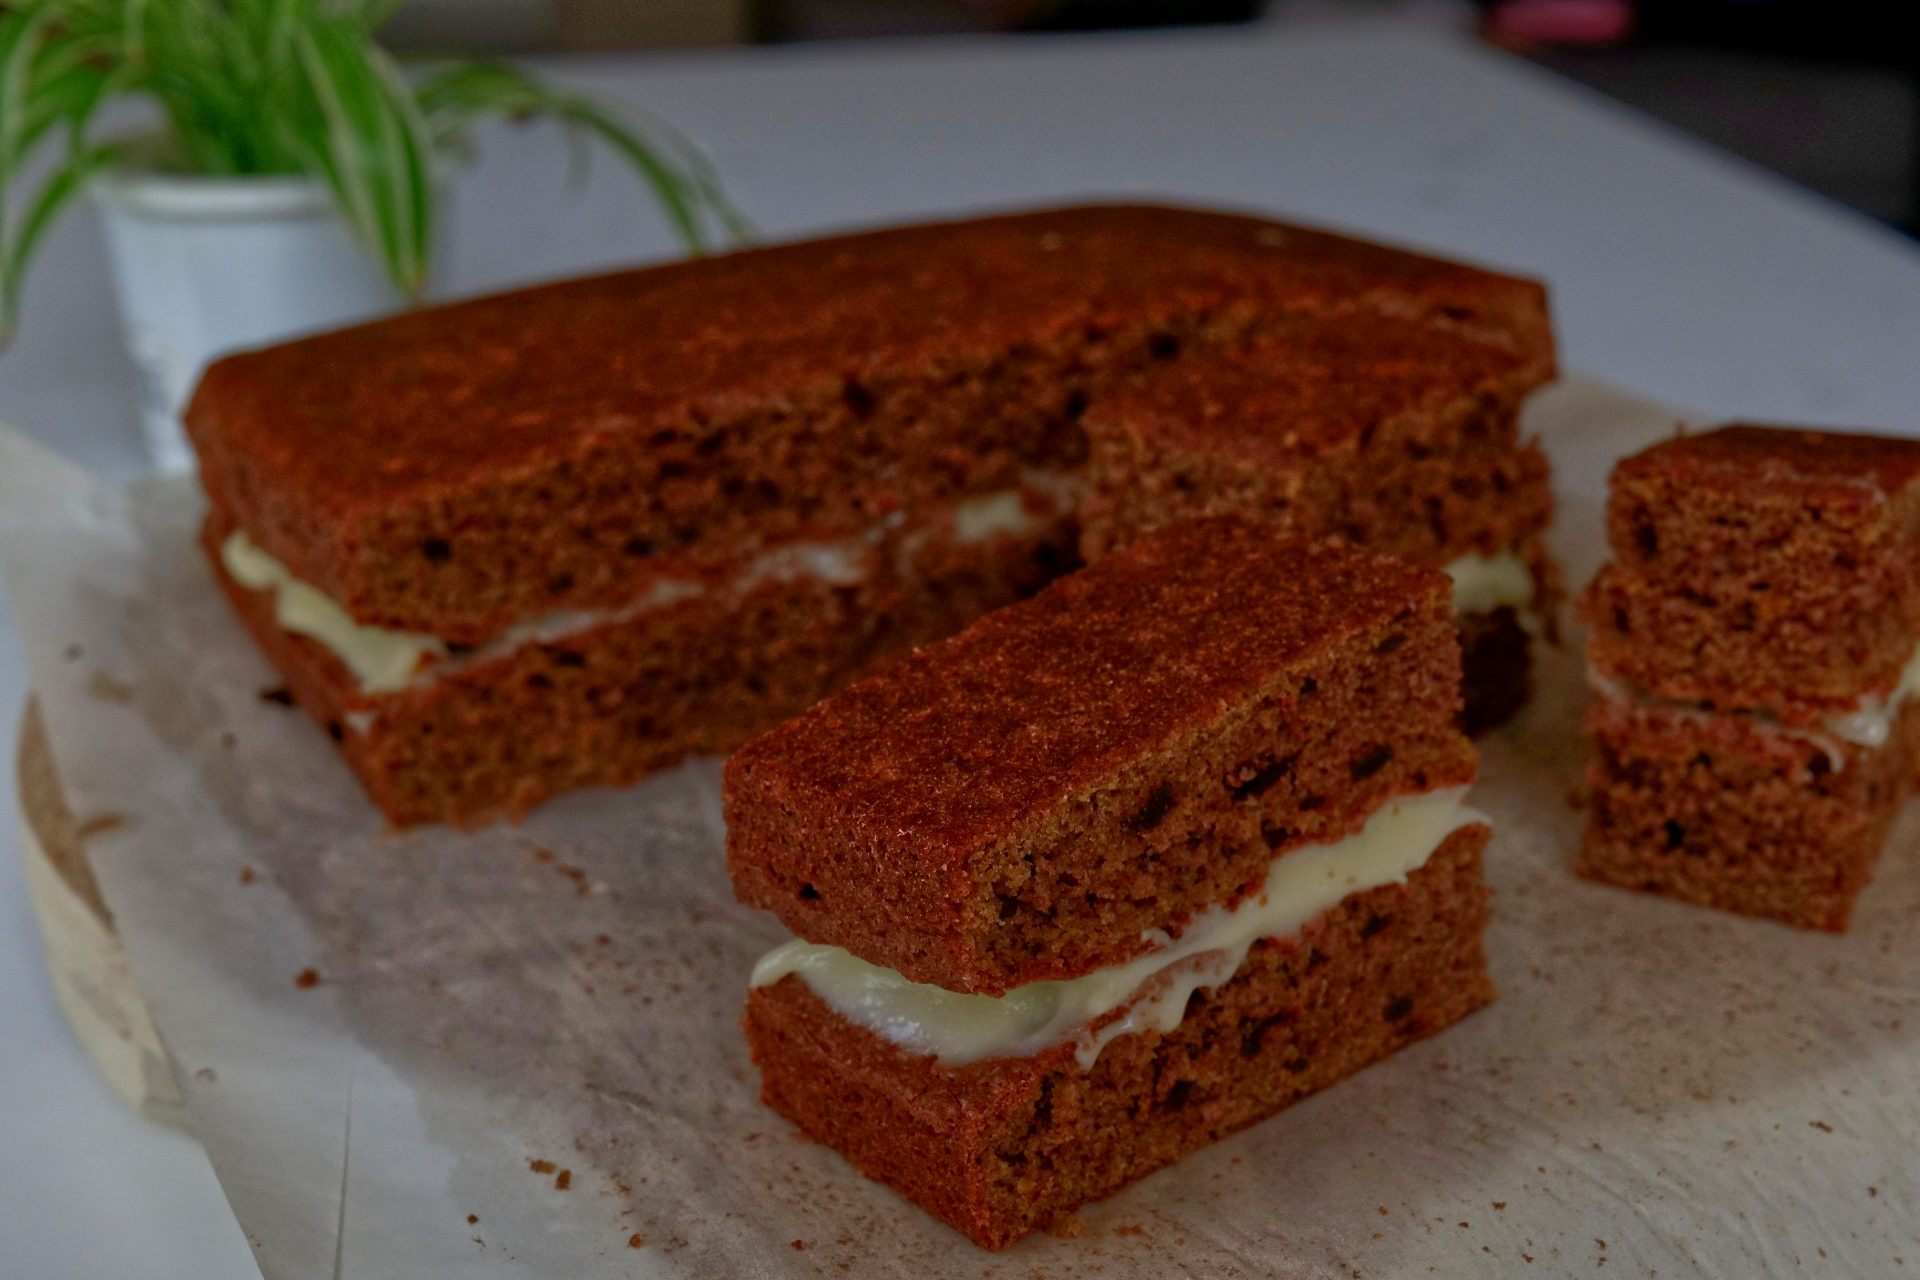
(1753, 649)
(1116, 871)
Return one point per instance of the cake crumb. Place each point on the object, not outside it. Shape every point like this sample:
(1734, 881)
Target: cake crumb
(472, 1218)
(246, 875)
(99, 826)
(634, 1241)
(564, 1180)
(1066, 1226)
(1499, 1204)
(1821, 1125)
(307, 979)
(541, 1166)
(108, 689)
(799, 1246)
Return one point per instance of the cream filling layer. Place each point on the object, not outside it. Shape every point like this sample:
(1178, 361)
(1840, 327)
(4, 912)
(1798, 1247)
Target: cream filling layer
(381, 659)
(1482, 584)
(1150, 992)
(1868, 725)
(385, 660)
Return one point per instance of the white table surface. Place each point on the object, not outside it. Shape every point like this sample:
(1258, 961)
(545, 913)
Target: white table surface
(1676, 271)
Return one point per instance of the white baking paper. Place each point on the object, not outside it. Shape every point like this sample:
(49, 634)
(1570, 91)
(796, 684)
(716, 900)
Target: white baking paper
(1660, 1090)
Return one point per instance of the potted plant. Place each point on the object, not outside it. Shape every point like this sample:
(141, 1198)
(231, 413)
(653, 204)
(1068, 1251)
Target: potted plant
(291, 181)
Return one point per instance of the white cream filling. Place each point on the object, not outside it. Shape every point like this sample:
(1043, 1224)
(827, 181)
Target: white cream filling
(993, 515)
(383, 660)
(1482, 584)
(1152, 990)
(1868, 725)
(1871, 723)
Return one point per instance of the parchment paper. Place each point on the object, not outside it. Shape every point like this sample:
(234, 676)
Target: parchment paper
(521, 1054)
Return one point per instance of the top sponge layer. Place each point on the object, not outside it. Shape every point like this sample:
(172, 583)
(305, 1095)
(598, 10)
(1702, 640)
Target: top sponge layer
(1133, 745)
(454, 470)
(1762, 568)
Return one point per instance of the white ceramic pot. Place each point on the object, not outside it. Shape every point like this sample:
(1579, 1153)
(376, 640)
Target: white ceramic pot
(204, 266)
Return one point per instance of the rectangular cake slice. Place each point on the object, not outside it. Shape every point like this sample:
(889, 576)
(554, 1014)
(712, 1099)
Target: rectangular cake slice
(1116, 871)
(571, 534)
(1031, 798)
(1753, 647)
(1398, 436)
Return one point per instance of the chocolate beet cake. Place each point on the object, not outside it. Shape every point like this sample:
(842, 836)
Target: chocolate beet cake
(1000, 1148)
(1115, 871)
(1394, 434)
(1753, 645)
(772, 467)
(1026, 800)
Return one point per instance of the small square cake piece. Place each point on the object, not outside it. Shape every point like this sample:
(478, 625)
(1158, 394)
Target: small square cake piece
(1030, 799)
(1398, 436)
(1730, 811)
(1762, 568)
(1005, 1146)
(1753, 645)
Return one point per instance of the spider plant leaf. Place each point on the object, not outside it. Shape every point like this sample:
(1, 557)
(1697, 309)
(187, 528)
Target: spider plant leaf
(67, 184)
(376, 150)
(23, 33)
(678, 175)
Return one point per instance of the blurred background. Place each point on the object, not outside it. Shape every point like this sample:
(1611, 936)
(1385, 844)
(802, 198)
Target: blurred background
(1825, 92)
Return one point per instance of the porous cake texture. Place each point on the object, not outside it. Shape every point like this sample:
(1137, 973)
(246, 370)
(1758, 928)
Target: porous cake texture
(620, 696)
(1138, 741)
(772, 467)
(1001, 1148)
(1116, 871)
(1729, 812)
(1753, 647)
(1760, 568)
(1396, 435)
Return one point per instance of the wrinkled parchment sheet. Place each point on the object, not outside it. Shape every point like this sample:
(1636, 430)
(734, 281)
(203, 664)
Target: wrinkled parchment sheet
(522, 1057)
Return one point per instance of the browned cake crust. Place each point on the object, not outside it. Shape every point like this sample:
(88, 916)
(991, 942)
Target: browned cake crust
(999, 1148)
(453, 470)
(611, 703)
(1129, 747)
(1760, 567)
(1393, 434)
(1723, 811)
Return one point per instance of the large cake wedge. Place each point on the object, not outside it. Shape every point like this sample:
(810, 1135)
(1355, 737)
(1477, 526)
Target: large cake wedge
(572, 534)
